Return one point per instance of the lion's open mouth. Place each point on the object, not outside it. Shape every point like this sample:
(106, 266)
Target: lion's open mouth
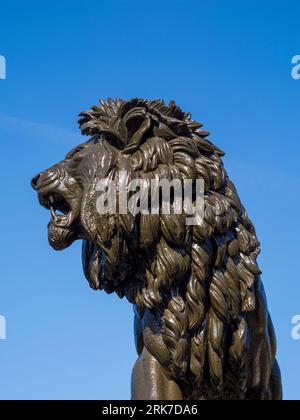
(59, 207)
(62, 229)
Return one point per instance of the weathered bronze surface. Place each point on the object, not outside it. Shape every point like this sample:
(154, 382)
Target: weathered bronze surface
(202, 326)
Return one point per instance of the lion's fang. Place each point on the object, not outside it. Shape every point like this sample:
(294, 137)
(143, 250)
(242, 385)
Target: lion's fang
(53, 214)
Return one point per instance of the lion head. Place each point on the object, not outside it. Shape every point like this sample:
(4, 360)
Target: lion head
(201, 279)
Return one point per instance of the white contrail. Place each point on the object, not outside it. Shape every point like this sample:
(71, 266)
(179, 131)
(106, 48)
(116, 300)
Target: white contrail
(2, 67)
(37, 130)
(2, 328)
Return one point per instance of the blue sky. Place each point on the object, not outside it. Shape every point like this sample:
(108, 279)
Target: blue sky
(227, 62)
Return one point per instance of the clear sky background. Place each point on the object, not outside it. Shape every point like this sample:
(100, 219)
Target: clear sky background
(227, 62)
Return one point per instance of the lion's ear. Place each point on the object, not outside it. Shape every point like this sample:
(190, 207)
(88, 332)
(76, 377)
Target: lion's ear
(138, 125)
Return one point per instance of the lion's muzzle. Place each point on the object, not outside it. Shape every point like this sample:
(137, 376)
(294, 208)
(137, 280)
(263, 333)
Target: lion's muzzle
(55, 194)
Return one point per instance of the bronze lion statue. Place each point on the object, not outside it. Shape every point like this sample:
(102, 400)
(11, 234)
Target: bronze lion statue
(202, 327)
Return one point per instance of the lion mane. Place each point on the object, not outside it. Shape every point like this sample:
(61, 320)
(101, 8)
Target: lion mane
(200, 306)
(202, 280)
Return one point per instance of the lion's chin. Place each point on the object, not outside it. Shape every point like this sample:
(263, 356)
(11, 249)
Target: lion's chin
(60, 237)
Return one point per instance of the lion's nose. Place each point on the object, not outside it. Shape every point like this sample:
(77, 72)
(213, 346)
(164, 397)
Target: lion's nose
(34, 181)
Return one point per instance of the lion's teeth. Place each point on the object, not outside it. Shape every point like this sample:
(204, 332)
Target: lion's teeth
(51, 199)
